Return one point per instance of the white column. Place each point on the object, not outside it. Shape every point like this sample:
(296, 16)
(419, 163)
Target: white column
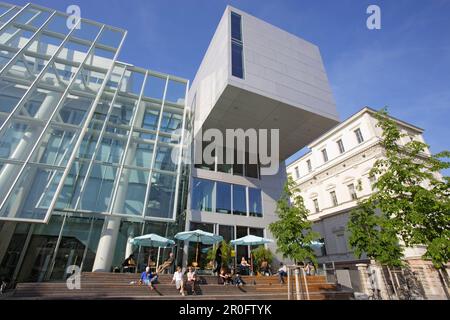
(9, 171)
(107, 245)
(129, 248)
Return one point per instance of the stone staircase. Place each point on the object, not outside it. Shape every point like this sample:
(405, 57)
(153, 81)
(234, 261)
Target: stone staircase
(121, 286)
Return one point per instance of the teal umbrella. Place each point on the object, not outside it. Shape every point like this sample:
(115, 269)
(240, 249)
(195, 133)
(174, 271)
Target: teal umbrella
(152, 240)
(250, 240)
(198, 236)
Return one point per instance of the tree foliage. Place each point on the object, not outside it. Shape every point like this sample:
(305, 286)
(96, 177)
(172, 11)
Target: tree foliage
(293, 231)
(260, 254)
(411, 194)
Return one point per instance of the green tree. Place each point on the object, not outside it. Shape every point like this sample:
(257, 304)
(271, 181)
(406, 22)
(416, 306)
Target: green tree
(413, 198)
(260, 254)
(293, 231)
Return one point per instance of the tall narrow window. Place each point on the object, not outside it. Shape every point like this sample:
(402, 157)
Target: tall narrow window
(308, 163)
(325, 155)
(316, 205)
(237, 62)
(297, 173)
(352, 191)
(333, 198)
(340, 146)
(359, 135)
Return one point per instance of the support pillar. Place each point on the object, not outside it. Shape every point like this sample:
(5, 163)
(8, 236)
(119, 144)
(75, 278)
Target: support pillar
(107, 244)
(363, 278)
(380, 279)
(129, 247)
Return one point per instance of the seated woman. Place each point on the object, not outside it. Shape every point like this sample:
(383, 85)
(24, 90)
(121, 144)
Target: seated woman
(265, 268)
(224, 277)
(244, 266)
(192, 279)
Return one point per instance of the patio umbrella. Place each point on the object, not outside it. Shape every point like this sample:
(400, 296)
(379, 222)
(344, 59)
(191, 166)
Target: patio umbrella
(152, 240)
(198, 236)
(250, 240)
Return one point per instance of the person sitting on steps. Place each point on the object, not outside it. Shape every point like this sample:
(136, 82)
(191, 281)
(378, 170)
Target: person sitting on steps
(166, 264)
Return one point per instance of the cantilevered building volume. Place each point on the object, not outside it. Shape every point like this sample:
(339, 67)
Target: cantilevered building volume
(89, 146)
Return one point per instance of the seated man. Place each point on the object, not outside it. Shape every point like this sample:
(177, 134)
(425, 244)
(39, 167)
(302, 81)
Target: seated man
(237, 281)
(129, 264)
(148, 278)
(168, 263)
(282, 272)
(224, 277)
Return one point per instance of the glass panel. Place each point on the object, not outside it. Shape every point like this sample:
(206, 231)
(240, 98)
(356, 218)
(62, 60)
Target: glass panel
(131, 192)
(154, 87)
(10, 95)
(143, 155)
(255, 203)
(227, 232)
(241, 251)
(56, 146)
(176, 91)
(161, 197)
(239, 200)
(236, 26)
(110, 150)
(74, 109)
(40, 104)
(97, 193)
(171, 121)
(237, 68)
(202, 193)
(163, 159)
(72, 185)
(32, 194)
(151, 117)
(223, 197)
(18, 140)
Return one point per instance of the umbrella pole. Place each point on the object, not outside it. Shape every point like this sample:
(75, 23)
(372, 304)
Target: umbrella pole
(157, 259)
(196, 255)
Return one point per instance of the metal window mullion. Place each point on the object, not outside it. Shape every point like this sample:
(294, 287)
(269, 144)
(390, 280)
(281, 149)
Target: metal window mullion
(56, 109)
(98, 143)
(180, 156)
(27, 44)
(8, 11)
(7, 23)
(35, 82)
(155, 149)
(20, 28)
(127, 145)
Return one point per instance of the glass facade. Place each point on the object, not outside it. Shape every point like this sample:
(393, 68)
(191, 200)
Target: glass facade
(221, 197)
(82, 137)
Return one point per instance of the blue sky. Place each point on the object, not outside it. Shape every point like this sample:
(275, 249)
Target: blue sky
(405, 65)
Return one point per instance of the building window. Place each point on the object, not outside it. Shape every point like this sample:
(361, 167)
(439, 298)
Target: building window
(297, 173)
(340, 146)
(255, 203)
(308, 163)
(359, 135)
(236, 32)
(352, 191)
(333, 198)
(237, 61)
(325, 155)
(202, 195)
(223, 197)
(316, 205)
(372, 181)
(239, 200)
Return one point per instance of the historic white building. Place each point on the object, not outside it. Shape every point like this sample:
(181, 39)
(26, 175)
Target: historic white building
(334, 174)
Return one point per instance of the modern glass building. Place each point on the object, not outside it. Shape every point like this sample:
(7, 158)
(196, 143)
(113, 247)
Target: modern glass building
(92, 150)
(89, 147)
